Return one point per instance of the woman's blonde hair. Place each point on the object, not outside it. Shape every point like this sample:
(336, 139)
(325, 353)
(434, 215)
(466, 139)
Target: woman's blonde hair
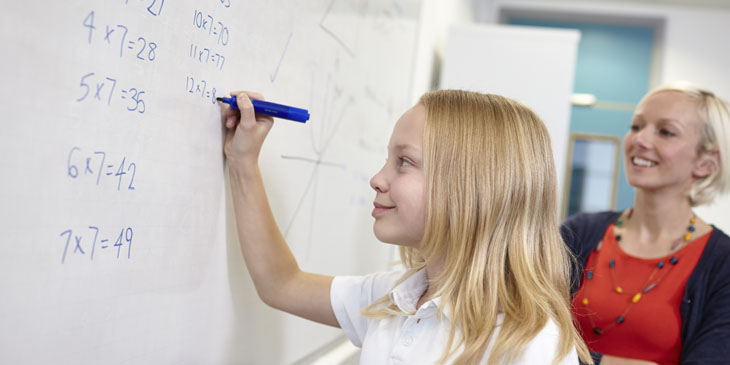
(492, 219)
(714, 113)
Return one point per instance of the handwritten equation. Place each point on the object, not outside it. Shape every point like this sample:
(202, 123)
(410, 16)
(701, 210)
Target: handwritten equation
(207, 52)
(215, 28)
(103, 89)
(92, 241)
(125, 41)
(118, 36)
(200, 87)
(154, 7)
(206, 56)
(96, 166)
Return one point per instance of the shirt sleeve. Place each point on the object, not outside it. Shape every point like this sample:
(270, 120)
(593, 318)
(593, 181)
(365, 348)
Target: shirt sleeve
(543, 348)
(350, 294)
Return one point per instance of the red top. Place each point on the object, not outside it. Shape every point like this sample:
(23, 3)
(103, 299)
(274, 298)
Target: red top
(651, 328)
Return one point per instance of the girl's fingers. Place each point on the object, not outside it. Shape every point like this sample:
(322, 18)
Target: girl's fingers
(251, 94)
(245, 116)
(230, 112)
(248, 116)
(230, 122)
(227, 141)
(231, 116)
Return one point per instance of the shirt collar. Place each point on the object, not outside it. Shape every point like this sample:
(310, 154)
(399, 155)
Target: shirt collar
(406, 295)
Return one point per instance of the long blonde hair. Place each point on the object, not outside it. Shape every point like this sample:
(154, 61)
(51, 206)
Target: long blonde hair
(714, 114)
(492, 218)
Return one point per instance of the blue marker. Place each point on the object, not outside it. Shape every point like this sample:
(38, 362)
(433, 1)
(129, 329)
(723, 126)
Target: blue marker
(272, 109)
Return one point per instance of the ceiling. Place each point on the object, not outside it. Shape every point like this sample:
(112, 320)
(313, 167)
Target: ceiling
(691, 3)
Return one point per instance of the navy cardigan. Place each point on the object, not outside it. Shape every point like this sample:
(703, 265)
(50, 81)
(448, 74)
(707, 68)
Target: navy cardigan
(705, 307)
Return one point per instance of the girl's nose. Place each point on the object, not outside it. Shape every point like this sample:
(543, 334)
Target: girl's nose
(378, 182)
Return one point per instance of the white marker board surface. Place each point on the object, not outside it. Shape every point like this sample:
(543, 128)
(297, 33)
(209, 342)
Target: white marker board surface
(117, 234)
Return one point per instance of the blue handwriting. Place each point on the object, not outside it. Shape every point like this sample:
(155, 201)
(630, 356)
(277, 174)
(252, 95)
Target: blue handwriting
(80, 246)
(154, 7)
(117, 35)
(206, 56)
(200, 87)
(96, 166)
(215, 29)
(103, 88)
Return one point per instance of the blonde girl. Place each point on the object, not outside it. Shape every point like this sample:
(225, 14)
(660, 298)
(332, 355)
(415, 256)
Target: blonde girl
(468, 192)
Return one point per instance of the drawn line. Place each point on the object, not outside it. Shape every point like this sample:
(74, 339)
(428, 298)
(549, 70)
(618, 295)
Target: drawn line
(326, 109)
(301, 201)
(273, 77)
(308, 248)
(314, 177)
(314, 161)
(331, 33)
(350, 101)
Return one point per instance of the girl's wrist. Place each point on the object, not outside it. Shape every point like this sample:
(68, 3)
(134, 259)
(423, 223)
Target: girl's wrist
(243, 170)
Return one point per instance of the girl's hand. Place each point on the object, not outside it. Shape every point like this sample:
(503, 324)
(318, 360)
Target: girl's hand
(246, 132)
(274, 269)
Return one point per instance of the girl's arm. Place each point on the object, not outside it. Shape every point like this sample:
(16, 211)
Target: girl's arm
(272, 266)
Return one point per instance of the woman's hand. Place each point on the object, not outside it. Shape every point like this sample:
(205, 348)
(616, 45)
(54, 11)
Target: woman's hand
(246, 132)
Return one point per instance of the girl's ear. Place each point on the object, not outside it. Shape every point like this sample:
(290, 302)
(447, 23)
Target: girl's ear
(707, 163)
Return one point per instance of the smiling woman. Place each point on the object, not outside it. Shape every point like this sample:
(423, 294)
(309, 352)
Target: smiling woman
(655, 285)
(665, 149)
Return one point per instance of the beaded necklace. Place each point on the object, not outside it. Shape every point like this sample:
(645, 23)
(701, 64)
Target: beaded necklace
(645, 287)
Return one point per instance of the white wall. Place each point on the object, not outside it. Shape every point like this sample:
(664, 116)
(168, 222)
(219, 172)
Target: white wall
(694, 48)
(695, 39)
(535, 66)
(436, 18)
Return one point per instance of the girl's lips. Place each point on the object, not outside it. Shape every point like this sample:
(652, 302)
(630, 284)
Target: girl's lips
(380, 209)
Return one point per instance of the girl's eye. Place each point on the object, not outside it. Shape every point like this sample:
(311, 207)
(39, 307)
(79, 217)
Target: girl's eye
(404, 162)
(666, 132)
(635, 128)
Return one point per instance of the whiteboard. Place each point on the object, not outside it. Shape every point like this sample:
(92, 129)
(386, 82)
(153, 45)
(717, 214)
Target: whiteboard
(535, 66)
(117, 236)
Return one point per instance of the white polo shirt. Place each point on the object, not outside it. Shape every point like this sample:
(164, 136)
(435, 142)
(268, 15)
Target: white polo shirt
(419, 338)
